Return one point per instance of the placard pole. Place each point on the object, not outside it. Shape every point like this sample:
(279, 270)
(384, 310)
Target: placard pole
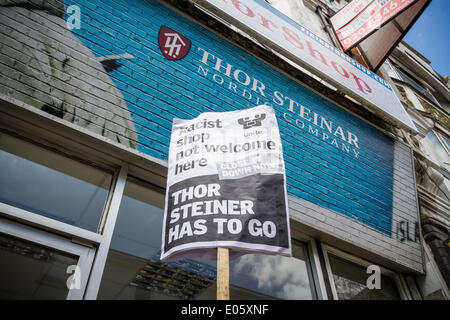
(223, 274)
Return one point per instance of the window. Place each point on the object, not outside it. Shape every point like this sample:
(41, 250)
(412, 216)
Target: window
(134, 271)
(298, 11)
(416, 85)
(30, 271)
(437, 148)
(447, 142)
(337, 5)
(391, 70)
(49, 188)
(39, 265)
(396, 72)
(49, 184)
(348, 278)
(350, 282)
(287, 7)
(273, 276)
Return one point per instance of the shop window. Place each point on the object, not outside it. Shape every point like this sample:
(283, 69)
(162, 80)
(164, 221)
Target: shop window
(49, 184)
(30, 271)
(273, 276)
(133, 269)
(350, 281)
(35, 264)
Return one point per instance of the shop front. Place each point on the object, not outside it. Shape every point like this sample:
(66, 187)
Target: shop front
(86, 117)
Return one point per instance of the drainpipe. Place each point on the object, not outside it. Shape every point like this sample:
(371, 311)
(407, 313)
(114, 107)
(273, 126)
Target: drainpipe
(328, 28)
(356, 52)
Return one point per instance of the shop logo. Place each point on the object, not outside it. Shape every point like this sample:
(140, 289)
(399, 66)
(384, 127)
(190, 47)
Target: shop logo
(256, 122)
(173, 45)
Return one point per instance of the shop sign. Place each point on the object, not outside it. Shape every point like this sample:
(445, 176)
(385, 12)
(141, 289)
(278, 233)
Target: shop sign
(360, 18)
(313, 53)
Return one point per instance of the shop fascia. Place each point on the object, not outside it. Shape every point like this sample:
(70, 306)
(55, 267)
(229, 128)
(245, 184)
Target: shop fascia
(240, 82)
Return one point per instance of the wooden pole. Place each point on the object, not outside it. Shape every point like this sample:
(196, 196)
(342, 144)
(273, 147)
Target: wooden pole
(223, 274)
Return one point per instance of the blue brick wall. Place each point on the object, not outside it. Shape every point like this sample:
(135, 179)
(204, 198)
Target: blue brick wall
(156, 90)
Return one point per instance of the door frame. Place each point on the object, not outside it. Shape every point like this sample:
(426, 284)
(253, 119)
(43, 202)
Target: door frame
(85, 254)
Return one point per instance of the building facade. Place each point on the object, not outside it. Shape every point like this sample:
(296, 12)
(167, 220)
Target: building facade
(88, 92)
(426, 96)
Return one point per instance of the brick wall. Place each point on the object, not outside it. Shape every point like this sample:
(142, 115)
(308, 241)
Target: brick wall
(402, 248)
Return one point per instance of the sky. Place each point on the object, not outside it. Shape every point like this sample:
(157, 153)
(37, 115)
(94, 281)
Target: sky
(430, 35)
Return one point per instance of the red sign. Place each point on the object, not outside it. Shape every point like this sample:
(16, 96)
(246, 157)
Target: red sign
(173, 45)
(363, 17)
